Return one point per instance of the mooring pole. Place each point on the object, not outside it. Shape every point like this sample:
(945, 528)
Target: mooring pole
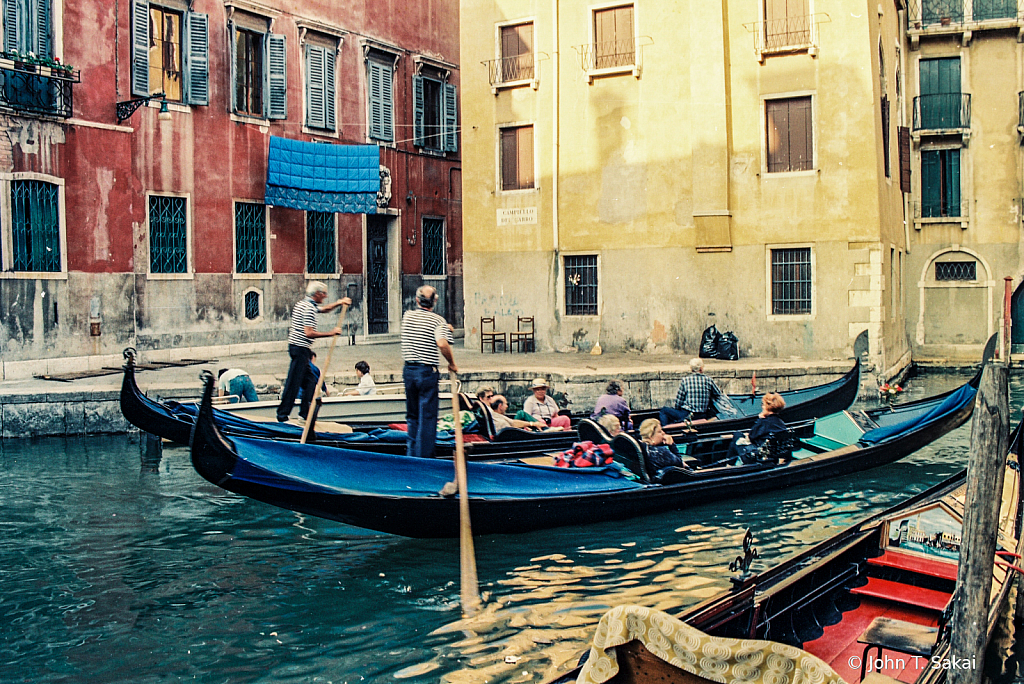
(1007, 319)
(989, 429)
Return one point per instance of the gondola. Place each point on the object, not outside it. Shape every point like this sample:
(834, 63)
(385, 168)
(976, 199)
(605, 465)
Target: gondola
(173, 421)
(872, 603)
(400, 495)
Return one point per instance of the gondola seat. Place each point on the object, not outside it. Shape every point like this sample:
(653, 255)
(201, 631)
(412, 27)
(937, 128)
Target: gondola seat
(629, 453)
(592, 431)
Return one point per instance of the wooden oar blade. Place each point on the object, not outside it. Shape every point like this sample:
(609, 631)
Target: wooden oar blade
(467, 556)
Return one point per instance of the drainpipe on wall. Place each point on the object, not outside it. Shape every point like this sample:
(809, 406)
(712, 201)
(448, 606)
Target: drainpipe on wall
(554, 133)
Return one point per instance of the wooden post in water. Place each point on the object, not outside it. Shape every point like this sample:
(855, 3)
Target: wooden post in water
(1007, 319)
(989, 429)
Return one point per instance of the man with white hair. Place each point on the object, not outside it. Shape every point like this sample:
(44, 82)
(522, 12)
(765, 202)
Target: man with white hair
(694, 398)
(426, 337)
(300, 348)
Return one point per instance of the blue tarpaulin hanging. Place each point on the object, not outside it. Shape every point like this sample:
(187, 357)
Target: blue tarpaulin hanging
(323, 177)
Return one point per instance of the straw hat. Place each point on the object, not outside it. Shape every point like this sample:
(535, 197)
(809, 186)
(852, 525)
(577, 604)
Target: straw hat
(538, 383)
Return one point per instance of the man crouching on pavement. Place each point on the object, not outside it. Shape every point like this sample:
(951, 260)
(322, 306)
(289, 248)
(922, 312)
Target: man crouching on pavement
(426, 336)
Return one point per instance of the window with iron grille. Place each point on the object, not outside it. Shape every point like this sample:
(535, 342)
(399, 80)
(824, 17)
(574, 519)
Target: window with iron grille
(252, 305)
(581, 285)
(790, 134)
(956, 270)
(433, 246)
(168, 249)
(320, 242)
(614, 45)
(250, 238)
(35, 226)
(791, 281)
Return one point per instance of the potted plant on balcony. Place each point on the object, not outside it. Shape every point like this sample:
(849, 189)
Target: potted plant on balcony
(945, 21)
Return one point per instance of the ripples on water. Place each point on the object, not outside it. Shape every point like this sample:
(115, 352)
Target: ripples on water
(112, 573)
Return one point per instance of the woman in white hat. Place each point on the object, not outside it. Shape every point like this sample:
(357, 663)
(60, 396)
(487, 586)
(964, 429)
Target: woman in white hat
(542, 407)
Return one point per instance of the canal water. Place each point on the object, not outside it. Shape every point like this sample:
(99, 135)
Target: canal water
(115, 568)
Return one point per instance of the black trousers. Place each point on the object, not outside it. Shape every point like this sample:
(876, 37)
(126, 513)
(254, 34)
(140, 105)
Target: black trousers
(298, 376)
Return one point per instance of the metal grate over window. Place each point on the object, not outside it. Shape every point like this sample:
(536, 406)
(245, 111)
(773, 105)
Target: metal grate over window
(791, 281)
(320, 242)
(433, 246)
(956, 270)
(250, 238)
(35, 226)
(167, 235)
(581, 285)
(252, 305)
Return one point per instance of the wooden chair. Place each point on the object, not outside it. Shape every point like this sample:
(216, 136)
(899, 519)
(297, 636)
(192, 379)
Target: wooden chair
(488, 335)
(523, 335)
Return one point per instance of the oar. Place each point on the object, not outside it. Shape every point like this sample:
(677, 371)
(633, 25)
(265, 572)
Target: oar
(467, 557)
(314, 406)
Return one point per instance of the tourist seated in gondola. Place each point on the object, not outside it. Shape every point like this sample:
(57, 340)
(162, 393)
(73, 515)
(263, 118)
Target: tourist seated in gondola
(612, 403)
(610, 423)
(661, 449)
(366, 384)
(499, 405)
(542, 407)
(694, 399)
(745, 445)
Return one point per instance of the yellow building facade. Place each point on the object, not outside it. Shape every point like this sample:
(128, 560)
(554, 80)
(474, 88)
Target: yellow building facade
(631, 168)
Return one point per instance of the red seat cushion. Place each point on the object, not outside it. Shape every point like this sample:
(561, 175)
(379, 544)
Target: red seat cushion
(917, 564)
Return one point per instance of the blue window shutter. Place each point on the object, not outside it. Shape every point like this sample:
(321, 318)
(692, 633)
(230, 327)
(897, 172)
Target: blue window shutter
(10, 25)
(451, 118)
(42, 44)
(417, 111)
(197, 58)
(315, 114)
(277, 61)
(233, 40)
(329, 95)
(953, 183)
(140, 47)
(387, 97)
(381, 103)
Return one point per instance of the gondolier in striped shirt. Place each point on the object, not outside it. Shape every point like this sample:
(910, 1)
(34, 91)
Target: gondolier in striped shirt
(426, 337)
(300, 348)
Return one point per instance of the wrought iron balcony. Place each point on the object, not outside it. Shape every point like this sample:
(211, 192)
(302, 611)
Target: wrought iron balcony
(936, 15)
(613, 54)
(511, 69)
(37, 88)
(788, 34)
(941, 210)
(943, 112)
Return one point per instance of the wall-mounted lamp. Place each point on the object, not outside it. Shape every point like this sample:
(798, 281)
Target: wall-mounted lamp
(128, 107)
(165, 113)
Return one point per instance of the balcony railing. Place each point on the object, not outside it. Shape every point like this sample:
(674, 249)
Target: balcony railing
(511, 69)
(942, 112)
(37, 88)
(941, 212)
(608, 55)
(929, 14)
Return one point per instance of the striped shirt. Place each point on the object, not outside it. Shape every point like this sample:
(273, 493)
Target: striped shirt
(304, 314)
(421, 331)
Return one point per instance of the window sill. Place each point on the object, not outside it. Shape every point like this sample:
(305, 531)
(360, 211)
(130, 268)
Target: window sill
(790, 174)
(964, 221)
(249, 119)
(518, 191)
(784, 318)
(252, 276)
(431, 152)
(321, 132)
(803, 48)
(33, 275)
(954, 283)
(508, 85)
(178, 107)
(613, 71)
(323, 276)
(440, 278)
(581, 317)
(170, 276)
(382, 143)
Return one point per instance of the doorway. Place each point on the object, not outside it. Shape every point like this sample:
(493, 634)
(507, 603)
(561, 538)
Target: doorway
(1017, 321)
(377, 309)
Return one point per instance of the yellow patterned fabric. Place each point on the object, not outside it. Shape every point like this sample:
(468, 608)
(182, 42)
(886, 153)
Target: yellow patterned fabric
(729, 661)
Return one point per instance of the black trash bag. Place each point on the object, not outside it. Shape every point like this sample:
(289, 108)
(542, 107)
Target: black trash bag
(709, 343)
(728, 347)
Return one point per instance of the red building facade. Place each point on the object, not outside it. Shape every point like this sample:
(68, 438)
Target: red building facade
(128, 220)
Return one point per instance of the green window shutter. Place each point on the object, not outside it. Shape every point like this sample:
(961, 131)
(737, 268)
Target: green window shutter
(931, 185)
(11, 25)
(329, 95)
(381, 102)
(315, 113)
(233, 41)
(417, 111)
(451, 118)
(197, 58)
(42, 14)
(952, 163)
(277, 62)
(140, 47)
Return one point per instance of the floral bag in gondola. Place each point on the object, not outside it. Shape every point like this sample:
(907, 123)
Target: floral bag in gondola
(584, 455)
